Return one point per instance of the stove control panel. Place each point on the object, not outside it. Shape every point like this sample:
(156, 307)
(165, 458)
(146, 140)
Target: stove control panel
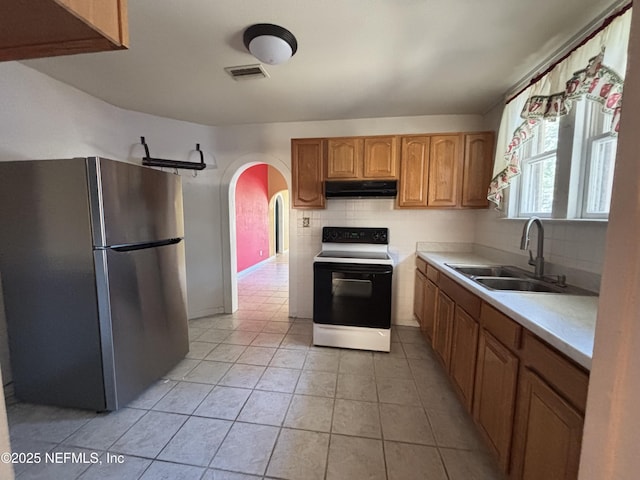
(355, 235)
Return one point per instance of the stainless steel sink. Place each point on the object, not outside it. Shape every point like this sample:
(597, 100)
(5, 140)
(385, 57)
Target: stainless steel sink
(519, 284)
(489, 271)
(514, 279)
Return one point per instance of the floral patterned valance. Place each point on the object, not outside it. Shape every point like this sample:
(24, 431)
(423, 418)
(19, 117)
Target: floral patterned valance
(593, 71)
(596, 82)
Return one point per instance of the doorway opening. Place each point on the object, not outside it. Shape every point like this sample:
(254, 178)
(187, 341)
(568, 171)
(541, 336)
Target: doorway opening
(259, 242)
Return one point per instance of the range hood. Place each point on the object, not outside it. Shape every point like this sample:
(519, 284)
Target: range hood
(361, 189)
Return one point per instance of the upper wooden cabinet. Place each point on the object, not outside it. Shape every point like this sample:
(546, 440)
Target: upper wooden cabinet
(344, 158)
(433, 171)
(478, 160)
(414, 172)
(358, 158)
(445, 171)
(47, 28)
(380, 157)
(307, 173)
(445, 162)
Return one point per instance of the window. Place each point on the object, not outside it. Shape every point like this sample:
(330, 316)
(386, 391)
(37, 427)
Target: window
(539, 171)
(582, 189)
(599, 164)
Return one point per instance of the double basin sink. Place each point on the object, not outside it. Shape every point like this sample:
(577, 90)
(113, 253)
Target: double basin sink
(509, 278)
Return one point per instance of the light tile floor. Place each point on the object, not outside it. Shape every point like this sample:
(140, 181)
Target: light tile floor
(254, 399)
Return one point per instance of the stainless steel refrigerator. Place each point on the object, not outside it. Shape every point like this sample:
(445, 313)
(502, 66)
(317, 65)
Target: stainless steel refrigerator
(93, 274)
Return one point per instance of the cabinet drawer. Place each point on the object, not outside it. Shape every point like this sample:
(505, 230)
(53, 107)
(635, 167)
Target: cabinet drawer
(421, 265)
(501, 326)
(464, 298)
(432, 274)
(567, 378)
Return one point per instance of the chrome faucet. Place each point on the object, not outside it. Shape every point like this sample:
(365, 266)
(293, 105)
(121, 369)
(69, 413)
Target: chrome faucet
(538, 262)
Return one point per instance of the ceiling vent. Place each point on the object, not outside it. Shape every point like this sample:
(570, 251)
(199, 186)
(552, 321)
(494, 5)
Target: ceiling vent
(247, 72)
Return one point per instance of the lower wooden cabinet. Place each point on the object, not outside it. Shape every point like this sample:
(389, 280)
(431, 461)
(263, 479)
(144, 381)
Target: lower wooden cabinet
(442, 327)
(495, 395)
(418, 296)
(462, 364)
(527, 399)
(548, 433)
(429, 309)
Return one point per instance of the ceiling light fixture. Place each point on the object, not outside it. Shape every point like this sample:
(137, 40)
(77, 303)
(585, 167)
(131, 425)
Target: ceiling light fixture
(270, 43)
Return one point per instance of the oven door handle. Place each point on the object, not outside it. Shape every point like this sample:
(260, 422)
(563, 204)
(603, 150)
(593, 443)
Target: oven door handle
(354, 268)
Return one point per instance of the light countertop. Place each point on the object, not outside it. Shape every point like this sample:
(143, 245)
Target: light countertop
(565, 321)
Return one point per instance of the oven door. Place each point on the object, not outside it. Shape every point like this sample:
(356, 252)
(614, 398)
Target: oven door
(351, 294)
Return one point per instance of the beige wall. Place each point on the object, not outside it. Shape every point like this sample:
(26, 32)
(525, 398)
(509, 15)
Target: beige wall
(612, 426)
(276, 182)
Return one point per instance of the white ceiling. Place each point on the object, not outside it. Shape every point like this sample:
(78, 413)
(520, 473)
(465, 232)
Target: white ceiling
(355, 59)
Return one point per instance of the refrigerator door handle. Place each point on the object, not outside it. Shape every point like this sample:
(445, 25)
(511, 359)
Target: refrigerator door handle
(142, 246)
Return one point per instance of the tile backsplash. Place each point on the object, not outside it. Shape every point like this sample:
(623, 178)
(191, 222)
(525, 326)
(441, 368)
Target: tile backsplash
(575, 249)
(406, 229)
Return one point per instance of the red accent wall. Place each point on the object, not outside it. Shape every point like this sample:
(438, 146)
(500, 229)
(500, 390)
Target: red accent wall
(252, 216)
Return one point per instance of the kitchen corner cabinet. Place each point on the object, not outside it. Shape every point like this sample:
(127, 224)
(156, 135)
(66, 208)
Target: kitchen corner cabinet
(527, 399)
(477, 167)
(48, 28)
(307, 172)
(362, 158)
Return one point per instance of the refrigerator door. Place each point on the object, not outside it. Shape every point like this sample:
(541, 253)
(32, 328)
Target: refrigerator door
(133, 204)
(48, 278)
(143, 308)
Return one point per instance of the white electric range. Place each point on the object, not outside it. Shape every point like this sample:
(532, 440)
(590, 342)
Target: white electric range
(352, 289)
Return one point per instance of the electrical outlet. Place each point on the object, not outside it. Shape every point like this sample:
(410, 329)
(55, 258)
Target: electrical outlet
(260, 252)
(305, 222)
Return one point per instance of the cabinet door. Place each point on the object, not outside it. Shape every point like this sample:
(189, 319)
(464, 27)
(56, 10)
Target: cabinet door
(548, 433)
(464, 345)
(495, 395)
(442, 327)
(445, 163)
(344, 158)
(429, 312)
(478, 159)
(414, 170)
(307, 173)
(105, 15)
(418, 297)
(62, 27)
(380, 157)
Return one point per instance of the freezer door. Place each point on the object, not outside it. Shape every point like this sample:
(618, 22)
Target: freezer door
(133, 204)
(143, 311)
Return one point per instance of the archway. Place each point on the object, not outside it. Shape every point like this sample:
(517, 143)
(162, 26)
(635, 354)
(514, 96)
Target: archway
(228, 231)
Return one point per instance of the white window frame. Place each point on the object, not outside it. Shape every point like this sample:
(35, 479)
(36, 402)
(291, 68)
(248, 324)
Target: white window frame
(596, 131)
(578, 132)
(532, 153)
